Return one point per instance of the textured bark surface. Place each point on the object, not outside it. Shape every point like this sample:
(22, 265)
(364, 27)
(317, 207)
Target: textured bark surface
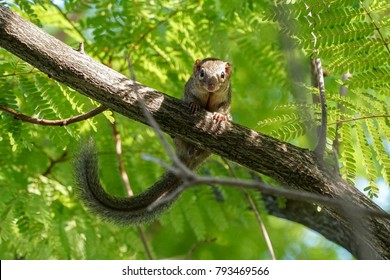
(294, 167)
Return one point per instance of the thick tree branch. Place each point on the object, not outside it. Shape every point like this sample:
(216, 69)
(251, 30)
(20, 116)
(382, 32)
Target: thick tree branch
(293, 166)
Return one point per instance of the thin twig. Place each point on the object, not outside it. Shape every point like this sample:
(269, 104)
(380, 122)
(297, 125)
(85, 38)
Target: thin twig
(144, 242)
(385, 42)
(81, 48)
(53, 162)
(130, 67)
(153, 28)
(135, 45)
(320, 148)
(197, 244)
(21, 73)
(118, 150)
(68, 20)
(125, 179)
(45, 122)
(359, 119)
(263, 229)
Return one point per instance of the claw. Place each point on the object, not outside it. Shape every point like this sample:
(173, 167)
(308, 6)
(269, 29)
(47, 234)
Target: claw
(218, 117)
(194, 107)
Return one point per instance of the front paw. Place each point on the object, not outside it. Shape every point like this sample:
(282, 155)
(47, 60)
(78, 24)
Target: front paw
(218, 117)
(194, 107)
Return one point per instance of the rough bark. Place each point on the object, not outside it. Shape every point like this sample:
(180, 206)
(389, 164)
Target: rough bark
(293, 167)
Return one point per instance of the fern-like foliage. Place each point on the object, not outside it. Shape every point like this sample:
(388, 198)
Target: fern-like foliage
(350, 37)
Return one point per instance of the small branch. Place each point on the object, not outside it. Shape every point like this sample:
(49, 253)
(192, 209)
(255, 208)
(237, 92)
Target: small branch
(304, 196)
(263, 229)
(81, 48)
(292, 194)
(118, 150)
(144, 242)
(136, 45)
(68, 20)
(197, 244)
(384, 41)
(53, 162)
(320, 148)
(20, 73)
(130, 67)
(45, 122)
(359, 119)
(152, 28)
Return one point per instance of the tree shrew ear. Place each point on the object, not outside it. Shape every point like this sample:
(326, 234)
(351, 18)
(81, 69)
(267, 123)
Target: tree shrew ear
(228, 69)
(197, 67)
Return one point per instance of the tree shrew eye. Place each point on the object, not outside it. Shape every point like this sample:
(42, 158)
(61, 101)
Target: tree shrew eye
(223, 75)
(201, 73)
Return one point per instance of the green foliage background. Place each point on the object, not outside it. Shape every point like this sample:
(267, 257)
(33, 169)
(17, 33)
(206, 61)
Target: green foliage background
(40, 218)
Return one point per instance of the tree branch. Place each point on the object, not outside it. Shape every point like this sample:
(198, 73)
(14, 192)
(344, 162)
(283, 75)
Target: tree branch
(63, 122)
(320, 148)
(294, 167)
